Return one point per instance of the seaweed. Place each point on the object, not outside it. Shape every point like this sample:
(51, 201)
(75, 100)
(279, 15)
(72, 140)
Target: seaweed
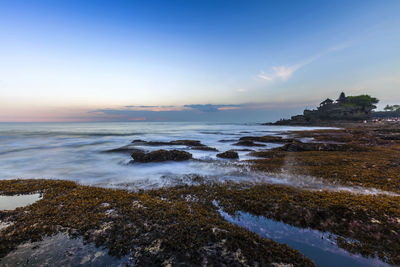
(155, 230)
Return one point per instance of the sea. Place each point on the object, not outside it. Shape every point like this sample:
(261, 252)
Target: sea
(78, 152)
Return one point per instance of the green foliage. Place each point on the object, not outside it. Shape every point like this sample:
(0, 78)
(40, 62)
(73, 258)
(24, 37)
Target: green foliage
(388, 108)
(364, 101)
(392, 108)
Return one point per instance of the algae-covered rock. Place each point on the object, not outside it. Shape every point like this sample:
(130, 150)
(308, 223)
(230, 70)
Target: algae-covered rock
(247, 143)
(161, 155)
(228, 155)
(266, 139)
(151, 228)
(170, 143)
(124, 149)
(204, 148)
(299, 146)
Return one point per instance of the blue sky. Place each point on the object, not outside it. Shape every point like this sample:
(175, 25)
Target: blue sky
(192, 60)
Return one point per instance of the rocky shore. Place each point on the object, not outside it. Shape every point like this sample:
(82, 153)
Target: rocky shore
(181, 225)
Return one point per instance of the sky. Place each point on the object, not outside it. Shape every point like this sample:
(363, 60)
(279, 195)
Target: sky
(228, 61)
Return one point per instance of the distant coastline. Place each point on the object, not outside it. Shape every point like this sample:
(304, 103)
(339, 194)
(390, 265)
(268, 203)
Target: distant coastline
(345, 111)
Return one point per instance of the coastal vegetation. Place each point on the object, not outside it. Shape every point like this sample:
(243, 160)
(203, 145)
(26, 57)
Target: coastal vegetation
(392, 108)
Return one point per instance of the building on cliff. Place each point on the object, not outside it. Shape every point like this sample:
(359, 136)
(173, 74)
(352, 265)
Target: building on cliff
(345, 108)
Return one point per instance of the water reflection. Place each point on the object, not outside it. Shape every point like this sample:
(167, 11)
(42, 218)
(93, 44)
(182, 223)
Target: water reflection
(13, 202)
(318, 246)
(60, 250)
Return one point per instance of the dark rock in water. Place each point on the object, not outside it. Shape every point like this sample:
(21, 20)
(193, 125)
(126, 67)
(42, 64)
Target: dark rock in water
(161, 155)
(148, 143)
(186, 143)
(190, 143)
(138, 141)
(266, 139)
(247, 143)
(124, 149)
(299, 146)
(204, 148)
(226, 140)
(228, 155)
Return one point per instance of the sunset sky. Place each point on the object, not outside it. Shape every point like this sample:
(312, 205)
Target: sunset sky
(192, 60)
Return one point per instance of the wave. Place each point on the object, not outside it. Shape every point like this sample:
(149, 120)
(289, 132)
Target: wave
(43, 134)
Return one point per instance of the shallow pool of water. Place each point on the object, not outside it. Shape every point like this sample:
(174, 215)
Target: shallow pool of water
(318, 246)
(13, 202)
(60, 250)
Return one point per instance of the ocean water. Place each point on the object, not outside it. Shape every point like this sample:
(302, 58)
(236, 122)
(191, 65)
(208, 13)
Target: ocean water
(76, 151)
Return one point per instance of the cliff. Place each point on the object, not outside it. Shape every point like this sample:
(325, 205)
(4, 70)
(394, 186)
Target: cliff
(344, 109)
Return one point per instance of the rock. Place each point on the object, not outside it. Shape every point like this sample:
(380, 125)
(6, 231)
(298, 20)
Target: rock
(161, 155)
(149, 143)
(299, 147)
(267, 139)
(247, 143)
(226, 140)
(138, 141)
(228, 155)
(186, 143)
(189, 143)
(124, 149)
(204, 148)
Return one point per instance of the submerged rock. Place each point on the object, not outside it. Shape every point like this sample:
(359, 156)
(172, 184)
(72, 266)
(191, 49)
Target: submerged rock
(124, 149)
(247, 143)
(265, 139)
(170, 143)
(227, 140)
(186, 143)
(228, 155)
(299, 146)
(193, 144)
(161, 155)
(205, 148)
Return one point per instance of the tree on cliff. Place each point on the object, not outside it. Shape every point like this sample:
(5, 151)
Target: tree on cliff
(366, 102)
(392, 108)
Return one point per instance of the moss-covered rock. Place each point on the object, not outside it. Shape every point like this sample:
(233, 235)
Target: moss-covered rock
(156, 231)
(228, 155)
(247, 143)
(161, 155)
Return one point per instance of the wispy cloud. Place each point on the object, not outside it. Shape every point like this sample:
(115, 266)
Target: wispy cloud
(243, 112)
(241, 90)
(154, 108)
(211, 107)
(280, 72)
(284, 72)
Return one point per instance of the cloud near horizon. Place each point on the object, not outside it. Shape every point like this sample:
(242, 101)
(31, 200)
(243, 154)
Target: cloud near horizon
(196, 107)
(246, 112)
(212, 108)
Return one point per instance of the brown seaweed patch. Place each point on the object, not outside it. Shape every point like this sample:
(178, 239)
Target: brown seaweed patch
(156, 230)
(370, 220)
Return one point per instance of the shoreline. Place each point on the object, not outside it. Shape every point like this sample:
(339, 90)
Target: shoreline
(162, 223)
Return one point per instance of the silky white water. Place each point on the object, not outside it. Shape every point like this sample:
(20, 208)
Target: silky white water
(75, 151)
